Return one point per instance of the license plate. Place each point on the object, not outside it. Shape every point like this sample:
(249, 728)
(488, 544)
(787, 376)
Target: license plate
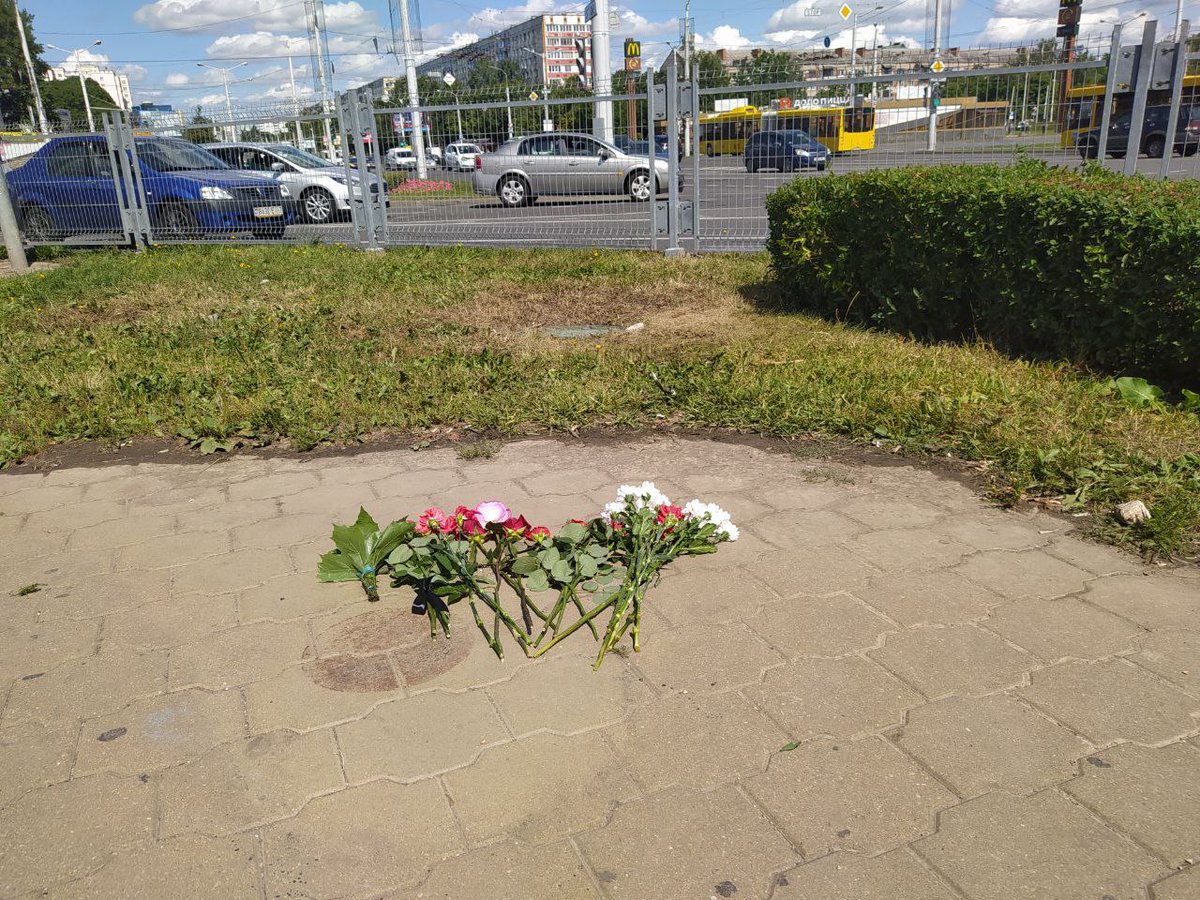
(268, 212)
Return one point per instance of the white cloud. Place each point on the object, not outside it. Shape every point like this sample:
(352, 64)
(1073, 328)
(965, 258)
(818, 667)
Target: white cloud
(178, 79)
(723, 37)
(260, 44)
(493, 18)
(218, 15)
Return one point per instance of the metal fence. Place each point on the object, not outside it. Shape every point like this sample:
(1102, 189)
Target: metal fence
(682, 165)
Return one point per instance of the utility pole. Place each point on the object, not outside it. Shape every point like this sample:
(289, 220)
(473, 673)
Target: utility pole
(414, 100)
(315, 13)
(853, 56)
(937, 51)
(508, 108)
(295, 103)
(687, 40)
(8, 224)
(32, 73)
(602, 122)
(229, 129)
(78, 54)
(1179, 21)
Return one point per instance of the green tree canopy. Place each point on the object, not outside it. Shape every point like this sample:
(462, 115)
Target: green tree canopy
(16, 94)
(65, 94)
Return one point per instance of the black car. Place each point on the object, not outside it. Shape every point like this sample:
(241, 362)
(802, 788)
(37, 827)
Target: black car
(1154, 133)
(786, 150)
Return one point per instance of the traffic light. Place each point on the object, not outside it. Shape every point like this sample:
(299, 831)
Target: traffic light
(935, 94)
(581, 58)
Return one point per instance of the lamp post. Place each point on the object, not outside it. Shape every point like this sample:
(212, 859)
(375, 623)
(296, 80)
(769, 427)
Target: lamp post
(545, 87)
(228, 104)
(854, 53)
(87, 104)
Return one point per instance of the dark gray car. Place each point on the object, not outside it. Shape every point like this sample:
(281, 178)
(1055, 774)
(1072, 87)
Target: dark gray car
(566, 164)
(1154, 133)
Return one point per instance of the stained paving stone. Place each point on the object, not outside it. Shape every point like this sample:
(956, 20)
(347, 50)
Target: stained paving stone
(802, 570)
(32, 756)
(1025, 573)
(239, 655)
(958, 659)
(852, 876)
(705, 658)
(833, 625)
(158, 731)
(1054, 629)
(508, 871)
(364, 628)
(1113, 700)
(842, 697)
(565, 694)
(375, 837)
(203, 868)
(981, 744)
(538, 788)
(1173, 655)
(294, 597)
(172, 623)
(694, 595)
(1160, 602)
(1182, 886)
(687, 844)
(246, 782)
(38, 848)
(39, 647)
(59, 568)
(1152, 794)
(88, 686)
(172, 550)
(864, 796)
(1001, 847)
(419, 736)
(908, 550)
(697, 742)
(929, 598)
(807, 528)
(304, 697)
(237, 572)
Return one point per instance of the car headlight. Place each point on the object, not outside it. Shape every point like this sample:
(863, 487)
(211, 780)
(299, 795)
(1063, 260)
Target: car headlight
(339, 178)
(283, 191)
(804, 153)
(212, 192)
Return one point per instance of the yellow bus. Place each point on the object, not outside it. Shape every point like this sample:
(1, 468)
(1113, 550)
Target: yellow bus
(1085, 106)
(840, 128)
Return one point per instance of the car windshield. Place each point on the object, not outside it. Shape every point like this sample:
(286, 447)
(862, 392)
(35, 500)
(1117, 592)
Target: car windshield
(800, 139)
(301, 158)
(176, 156)
(467, 148)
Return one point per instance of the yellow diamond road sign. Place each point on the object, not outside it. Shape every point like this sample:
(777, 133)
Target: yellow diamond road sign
(938, 66)
(533, 95)
(846, 11)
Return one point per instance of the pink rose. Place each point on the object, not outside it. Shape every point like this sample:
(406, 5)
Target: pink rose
(491, 512)
(434, 519)
(538, 533)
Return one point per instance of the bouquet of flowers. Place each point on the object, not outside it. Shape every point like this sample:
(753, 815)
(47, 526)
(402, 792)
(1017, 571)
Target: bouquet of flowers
(605, 564)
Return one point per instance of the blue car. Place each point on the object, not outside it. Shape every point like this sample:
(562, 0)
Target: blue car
(67, 188)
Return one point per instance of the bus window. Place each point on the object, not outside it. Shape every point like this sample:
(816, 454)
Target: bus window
(859, 120)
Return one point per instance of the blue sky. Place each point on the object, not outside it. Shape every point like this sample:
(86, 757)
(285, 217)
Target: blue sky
(159, 43)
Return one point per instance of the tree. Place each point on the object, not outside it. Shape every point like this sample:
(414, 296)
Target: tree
(710, 70)
(16, 94)
(66, 95)
(200, 135)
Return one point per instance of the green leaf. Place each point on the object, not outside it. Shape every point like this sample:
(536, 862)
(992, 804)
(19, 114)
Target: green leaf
(525, 565)
(1138, 392)
(400, 555)
(789, 746)
(1191, 401)
(561, 570)
(549, 556)
(586, 565)
(599, 551)
(538, 581)
(572, 532)
(335, 567)
(364, 522)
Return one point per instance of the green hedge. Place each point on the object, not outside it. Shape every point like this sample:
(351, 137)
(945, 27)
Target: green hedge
(1091, 267)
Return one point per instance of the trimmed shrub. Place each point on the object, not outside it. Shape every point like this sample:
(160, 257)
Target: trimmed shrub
(1091, 267)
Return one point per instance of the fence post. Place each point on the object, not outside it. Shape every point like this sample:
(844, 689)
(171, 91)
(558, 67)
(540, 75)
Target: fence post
(1178, 71)
(126, 176)
(673, 248)
(366, 208)
(695, 151)
(8, 225)
(650, 134)
(1110, 85)
(1141, 87)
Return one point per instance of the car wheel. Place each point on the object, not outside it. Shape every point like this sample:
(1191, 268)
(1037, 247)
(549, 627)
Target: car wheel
(175, 222)
(37, 224)
(1190, 150)
(317, 206)
(708, 151)
(751, 166)
(1089, 149)
(513, 191)
(1155, 146)
(638, 187)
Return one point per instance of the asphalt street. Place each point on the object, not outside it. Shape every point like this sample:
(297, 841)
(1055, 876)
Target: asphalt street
(731, 201)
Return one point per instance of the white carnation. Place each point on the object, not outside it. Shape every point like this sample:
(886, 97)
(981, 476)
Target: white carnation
(641, 495)
(710, 512)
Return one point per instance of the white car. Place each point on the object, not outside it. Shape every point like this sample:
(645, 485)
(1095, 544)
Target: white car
(462, 156)
(400, 158)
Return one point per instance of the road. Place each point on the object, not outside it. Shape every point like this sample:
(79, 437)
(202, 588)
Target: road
(731, 201)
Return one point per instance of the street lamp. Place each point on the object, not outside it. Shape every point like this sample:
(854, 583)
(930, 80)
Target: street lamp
(854, 53)
(545, 86)
(87, 104)
(228, 105)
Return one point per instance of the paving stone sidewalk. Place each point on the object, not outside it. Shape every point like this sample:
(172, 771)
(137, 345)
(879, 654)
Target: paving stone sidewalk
(985, 706)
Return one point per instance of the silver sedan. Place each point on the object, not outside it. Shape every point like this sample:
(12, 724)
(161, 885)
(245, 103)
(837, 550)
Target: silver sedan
(566, 164)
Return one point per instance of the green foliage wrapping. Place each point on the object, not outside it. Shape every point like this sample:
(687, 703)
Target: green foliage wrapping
(1090, 267)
